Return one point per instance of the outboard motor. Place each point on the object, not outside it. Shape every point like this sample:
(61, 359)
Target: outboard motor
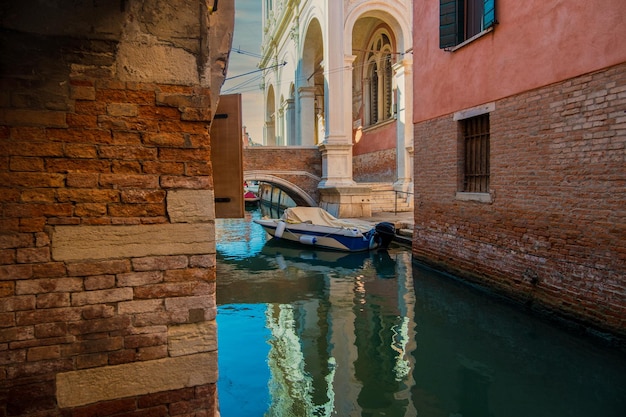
(385, 232)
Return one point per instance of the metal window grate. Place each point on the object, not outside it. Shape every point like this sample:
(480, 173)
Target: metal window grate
(476, 141)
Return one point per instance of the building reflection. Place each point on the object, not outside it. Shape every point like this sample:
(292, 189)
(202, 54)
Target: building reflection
(373, 334)
(341, 342)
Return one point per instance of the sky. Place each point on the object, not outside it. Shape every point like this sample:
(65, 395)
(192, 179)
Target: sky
(244, 59)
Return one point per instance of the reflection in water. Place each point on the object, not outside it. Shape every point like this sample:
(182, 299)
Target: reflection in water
(304, 332)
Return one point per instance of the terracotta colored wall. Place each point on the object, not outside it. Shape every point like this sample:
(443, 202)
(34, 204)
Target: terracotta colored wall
(377, 138)
(374, 155)
(107, 243)
(554, 236)
(536, 43)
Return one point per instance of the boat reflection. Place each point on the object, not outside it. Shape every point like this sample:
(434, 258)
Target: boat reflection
(288, 253)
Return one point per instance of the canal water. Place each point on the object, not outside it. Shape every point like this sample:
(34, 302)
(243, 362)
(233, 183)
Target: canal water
(303, 332)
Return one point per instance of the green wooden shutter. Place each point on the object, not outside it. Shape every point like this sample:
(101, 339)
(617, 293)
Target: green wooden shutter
(448, 23)
(489, 13)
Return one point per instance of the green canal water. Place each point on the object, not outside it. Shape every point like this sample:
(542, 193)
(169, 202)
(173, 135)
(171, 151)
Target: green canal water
(313, 333)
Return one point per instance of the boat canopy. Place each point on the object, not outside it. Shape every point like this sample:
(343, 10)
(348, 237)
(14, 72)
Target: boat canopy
(320, 217)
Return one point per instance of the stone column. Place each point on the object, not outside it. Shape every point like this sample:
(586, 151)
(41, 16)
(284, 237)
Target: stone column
(307, 115)
(270, 132)
(404, 135)
(338, 192)
(280, 137)
(290, 134)
(107, 272)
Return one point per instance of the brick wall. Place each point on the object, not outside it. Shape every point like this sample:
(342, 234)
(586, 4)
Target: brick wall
(300, 166)
(377, 166)
(374, 155)
(107, 251)
(554, 236)
(182, 402)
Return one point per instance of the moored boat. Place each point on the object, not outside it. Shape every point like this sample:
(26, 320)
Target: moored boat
(314, 226)
(250, 197)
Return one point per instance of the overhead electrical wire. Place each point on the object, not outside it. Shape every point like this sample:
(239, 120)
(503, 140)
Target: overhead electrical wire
(255, 71)
(245, 86)
(248, 53)
(240, 87)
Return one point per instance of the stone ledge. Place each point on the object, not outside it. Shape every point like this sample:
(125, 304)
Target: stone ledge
(80, 243)
(89, 386)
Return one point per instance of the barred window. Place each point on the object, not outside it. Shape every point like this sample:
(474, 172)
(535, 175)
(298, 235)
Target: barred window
(476, 154)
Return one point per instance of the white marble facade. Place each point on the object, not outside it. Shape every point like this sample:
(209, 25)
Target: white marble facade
(323, 82)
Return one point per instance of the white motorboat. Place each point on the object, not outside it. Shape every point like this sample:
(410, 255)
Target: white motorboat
(316, 227)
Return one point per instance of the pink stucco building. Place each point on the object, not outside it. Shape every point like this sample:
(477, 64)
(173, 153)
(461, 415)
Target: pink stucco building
(519, 112)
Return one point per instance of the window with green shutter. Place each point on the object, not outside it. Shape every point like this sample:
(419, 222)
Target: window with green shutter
(460, 20)
(489, 13)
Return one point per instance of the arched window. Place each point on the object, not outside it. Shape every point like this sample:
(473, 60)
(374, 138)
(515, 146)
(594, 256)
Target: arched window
(378, 85)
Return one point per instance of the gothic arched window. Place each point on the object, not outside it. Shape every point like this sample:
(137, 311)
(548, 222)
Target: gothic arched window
(378, 86)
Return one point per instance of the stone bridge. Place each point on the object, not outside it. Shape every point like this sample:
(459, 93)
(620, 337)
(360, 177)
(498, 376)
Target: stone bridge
(297, 170)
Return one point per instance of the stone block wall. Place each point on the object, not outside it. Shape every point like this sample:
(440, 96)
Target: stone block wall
(107, 241)
(554, 234)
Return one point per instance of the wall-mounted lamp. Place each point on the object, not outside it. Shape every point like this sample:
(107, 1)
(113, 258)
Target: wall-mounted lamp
(214, 8)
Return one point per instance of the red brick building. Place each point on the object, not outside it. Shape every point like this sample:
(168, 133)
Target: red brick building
(520, 150)
(107, 242)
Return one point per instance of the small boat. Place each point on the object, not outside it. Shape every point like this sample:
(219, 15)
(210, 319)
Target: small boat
(314, 226)
(250, 197)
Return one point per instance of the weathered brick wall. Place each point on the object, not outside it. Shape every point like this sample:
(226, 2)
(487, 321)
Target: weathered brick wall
(107, 251)
(554, 236)
(182, 402)
(377, 166)
(297, 165)
(374, 155)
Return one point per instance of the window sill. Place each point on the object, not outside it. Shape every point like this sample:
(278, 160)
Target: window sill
(479, 197)
(470, 40)
(379, 124)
